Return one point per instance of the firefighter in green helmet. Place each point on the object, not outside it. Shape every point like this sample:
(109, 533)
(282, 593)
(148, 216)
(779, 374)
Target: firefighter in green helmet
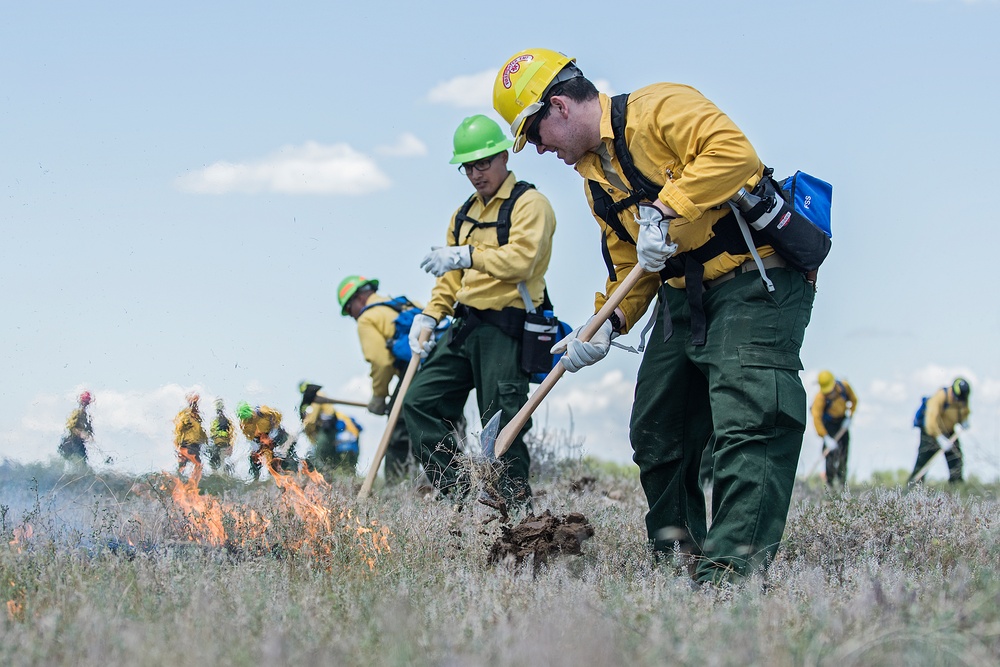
(376, 316)
(500, 238)
(269, 440)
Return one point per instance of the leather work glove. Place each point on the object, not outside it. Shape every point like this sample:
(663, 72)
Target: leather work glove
(440, 261)
(421, 322)
(830, 443)
(580, 353)
(653, 247)
(378, 405)
(945, 443)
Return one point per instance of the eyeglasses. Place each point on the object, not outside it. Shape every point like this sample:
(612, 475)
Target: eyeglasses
(479, 165)
(532, 133)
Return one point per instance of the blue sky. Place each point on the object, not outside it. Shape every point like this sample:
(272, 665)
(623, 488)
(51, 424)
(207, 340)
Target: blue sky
(184, 184)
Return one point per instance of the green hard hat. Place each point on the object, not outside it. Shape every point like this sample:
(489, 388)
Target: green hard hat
(244, 411)
(349, 286)
(478, 137)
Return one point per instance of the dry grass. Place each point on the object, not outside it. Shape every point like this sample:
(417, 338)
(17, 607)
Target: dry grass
(870, 577)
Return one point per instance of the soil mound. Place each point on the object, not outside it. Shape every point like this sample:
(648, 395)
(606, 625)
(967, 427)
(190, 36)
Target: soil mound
(542, 537)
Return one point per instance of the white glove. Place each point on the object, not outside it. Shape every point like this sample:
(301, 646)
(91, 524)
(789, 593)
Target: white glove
(653, 247)
(420, 323)
(830, 443)
(440, 261)
(580, 353)
(846, 424)
(377, 406)
(945, 443)
(964, 426)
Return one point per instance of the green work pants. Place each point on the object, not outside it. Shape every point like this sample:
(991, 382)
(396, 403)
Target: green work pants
(926, 451)
(741, 390)
(489, 362)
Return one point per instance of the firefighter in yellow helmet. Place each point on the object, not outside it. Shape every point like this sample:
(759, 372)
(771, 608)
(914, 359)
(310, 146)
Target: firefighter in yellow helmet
(189, 436)
(498, 239)
(387, 356)
(832, 411)
(79, 431)
(660, 165)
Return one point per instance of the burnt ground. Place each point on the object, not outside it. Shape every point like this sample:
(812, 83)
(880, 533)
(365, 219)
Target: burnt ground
(540, 538)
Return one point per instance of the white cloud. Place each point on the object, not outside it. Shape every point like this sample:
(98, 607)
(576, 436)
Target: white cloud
(311, 168)
(465, 92)
(605, 86)
(406, 146)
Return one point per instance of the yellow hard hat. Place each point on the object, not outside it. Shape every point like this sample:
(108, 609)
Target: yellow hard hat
(826, 381)
(522, 83)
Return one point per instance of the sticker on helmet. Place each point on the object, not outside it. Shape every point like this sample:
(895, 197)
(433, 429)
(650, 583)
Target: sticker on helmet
(513, 66)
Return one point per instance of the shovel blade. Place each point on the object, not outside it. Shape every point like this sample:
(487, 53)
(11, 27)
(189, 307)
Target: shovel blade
(489, 436)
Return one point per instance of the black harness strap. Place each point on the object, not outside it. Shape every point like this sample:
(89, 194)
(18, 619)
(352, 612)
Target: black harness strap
(726, 234)
(503, 216)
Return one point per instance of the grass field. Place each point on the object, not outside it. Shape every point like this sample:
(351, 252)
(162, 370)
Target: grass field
(113, 570)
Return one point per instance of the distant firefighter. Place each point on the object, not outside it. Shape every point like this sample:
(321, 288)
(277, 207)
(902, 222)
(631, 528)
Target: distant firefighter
(79, 431)
(832, 412)
(334, 437)
(189, 436)
(223, 434)
(262, 427)
(941, 417)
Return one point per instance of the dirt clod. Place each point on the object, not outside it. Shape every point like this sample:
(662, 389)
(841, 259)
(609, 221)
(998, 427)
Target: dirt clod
(542, 537)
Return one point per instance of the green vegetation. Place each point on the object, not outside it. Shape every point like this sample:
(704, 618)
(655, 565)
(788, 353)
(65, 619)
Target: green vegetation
(106, 569)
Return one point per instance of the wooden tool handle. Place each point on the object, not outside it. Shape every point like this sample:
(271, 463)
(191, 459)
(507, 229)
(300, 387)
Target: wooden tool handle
(514, 426)
(397, 406)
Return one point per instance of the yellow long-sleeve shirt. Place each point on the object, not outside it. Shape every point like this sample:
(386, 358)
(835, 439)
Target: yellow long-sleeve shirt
(841, 404)
(376, 329)
(940, 419)
(263, 421)
(188, 429)
(79, 424)
(319, 412)
(678, 137)
(491, 282)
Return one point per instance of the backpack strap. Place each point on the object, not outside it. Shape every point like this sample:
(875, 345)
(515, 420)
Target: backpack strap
(399, 304)
(727, 236)
(503, 217)
(641, 185)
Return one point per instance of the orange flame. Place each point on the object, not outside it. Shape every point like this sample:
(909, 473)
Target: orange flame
(319, 531)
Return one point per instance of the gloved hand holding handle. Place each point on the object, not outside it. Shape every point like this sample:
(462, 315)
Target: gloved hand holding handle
(420, 323)
(653, 247)
(580, 353)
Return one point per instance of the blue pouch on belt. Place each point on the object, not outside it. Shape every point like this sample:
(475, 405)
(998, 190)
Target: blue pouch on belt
(811, 198)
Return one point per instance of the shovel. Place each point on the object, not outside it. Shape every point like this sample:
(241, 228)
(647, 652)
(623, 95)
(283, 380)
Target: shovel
(495, 447)
(338, 401)
(311, 395)
(397, 406)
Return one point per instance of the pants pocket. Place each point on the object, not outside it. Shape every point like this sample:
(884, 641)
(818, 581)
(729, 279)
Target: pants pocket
(773, 394)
